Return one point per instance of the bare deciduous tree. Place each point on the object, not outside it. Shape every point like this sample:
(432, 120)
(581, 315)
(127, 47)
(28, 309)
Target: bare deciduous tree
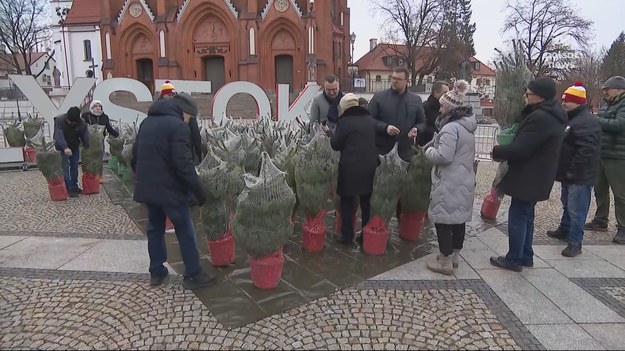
(23, 27)
(546, 29)
(586, 68)
(414, 25)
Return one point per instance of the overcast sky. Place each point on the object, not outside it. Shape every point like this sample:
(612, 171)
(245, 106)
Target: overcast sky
(608, 17)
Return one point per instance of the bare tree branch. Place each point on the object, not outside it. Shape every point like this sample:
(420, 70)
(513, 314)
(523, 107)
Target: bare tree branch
(547, 29)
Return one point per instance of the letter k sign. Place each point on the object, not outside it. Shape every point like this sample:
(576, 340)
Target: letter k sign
(42, 103)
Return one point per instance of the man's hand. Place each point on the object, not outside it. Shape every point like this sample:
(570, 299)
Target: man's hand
(325, 128)
(67, 152)
(413, 133)
(392, 130)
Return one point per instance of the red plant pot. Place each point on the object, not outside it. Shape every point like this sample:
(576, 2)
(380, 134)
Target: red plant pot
(375, 237)
(222, 251)
(411, 224)
(30, 154)
(491, 204)
(57, 189)
(90, 183)
(314, 232)
(266, 271)
(168, 224)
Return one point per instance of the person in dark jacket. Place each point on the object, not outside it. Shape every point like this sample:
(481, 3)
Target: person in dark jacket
(69, 131)
(532, 158)
(164, 177)
(189, 107)
(355, 139)
(578, 168)
(612, 165)
(431, 107)
(96, 116)
(398, 114)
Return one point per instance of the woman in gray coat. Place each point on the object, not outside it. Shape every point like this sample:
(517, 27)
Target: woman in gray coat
(452, 151)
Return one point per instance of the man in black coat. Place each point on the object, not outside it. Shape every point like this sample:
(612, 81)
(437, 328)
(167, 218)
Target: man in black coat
(69, 131)
(432, 108)
(532, 158)
(164, 178)
(355, 139)
(398, 114)
(578, 168)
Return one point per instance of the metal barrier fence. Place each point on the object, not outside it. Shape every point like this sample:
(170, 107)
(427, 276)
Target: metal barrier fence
(485, 137)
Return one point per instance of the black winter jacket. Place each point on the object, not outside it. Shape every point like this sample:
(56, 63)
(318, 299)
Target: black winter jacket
(404, 111)
(102, 120)
(355, 139)
(534, 152)
(581, 149)
(431, 107)
(162, 161)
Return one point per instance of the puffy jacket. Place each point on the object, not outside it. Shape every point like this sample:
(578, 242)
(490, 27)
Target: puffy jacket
(612, 121)
(579, 157)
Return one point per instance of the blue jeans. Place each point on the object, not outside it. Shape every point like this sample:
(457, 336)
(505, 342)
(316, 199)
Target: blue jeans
(520, 232)
(70, 169)
(576, 202)
(185, 232)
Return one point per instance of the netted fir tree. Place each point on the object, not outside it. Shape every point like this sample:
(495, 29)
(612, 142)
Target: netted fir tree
(512, 77)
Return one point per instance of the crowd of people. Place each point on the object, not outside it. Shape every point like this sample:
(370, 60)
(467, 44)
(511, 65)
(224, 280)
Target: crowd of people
(556, 140)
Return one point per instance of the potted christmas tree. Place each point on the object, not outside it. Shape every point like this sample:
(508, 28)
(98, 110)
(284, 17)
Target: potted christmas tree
(33, 132)
(50, 164)
(415, 198)
(512, 79)
(314, 175)
(262, 222)
(388, 182)
(92, 160)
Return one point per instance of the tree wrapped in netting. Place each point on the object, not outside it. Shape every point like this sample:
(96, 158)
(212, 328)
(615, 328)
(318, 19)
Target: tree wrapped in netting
(49, 160)
(388, 183)
(14, 134)
(416, 193)
(262, 222)
(512, 77)
(92, 156)
(214, 213)
(251, 156)
(315, 170)
(33, 129)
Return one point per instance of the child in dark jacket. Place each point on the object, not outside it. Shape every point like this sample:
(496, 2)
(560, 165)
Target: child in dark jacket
(96, 116)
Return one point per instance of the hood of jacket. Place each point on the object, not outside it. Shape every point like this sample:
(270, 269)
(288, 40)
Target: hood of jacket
(165, 107)
(355, 111)
(462, 115)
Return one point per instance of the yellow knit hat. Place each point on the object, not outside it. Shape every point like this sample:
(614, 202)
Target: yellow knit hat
(575, 94)
(167, 88)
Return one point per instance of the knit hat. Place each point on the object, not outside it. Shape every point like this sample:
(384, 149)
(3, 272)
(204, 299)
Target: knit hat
(575, 94)
(544, 87)
(167, 88)
(73, 114)
(347, 101)
(616, 82)
(186, 103)
(93, 103)
(455, 97)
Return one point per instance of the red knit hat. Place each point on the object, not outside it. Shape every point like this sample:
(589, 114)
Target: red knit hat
(575, 94)
(167, 88)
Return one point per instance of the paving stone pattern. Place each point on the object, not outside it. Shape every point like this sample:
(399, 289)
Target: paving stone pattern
(59, 310)
(610, 291)
(548, 213)
(26, 209)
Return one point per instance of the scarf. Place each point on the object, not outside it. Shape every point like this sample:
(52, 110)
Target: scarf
(333, 111)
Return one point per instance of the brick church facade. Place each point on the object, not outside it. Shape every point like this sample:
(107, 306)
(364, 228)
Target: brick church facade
(263, 41)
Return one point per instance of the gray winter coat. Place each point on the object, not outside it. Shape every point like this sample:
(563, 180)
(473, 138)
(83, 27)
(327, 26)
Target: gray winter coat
(453, 177)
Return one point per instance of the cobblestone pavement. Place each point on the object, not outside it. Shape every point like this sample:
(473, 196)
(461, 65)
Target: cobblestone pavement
(54, 310)
(26, 209)
(548, 213)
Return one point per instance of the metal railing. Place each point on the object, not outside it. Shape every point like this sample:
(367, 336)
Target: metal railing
(485, 139)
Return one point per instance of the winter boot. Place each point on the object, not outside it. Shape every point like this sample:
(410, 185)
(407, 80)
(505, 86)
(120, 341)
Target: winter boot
(597, 226)
(441, 265)
(455, 258)
(619, 238)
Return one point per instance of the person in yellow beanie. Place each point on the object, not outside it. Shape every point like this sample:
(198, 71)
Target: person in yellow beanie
(167, 90)
(578, 168)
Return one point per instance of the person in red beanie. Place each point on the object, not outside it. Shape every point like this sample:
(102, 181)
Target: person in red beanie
(168, 90)
(578, 168)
